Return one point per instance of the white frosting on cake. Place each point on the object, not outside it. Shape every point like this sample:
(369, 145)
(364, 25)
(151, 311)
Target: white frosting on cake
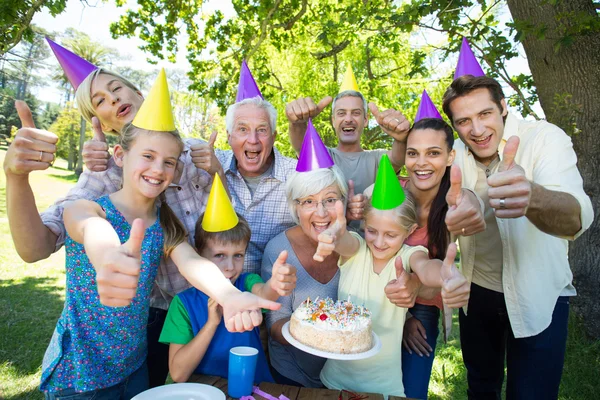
(337, 327)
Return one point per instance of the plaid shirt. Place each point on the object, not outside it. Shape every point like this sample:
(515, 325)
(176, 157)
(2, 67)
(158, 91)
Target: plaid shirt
(186, 196)
(267, 211)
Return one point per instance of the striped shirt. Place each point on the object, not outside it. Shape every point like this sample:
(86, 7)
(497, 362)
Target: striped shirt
(186, 196)
(266, 211)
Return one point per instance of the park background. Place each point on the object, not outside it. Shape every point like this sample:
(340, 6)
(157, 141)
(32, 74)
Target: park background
(544, 52)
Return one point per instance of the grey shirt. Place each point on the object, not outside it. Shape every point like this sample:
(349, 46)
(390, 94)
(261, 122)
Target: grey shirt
(360, 166)
(290, 362)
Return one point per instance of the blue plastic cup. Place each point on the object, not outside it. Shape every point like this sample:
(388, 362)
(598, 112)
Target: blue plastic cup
(242, 366)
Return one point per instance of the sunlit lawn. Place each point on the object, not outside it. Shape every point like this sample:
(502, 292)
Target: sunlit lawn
(31, 298)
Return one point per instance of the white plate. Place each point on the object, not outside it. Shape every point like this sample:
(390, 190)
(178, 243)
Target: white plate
(182, 391)
(325, 354)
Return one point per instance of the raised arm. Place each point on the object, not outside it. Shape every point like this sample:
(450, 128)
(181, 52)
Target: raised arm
(117, 265)
(394, 124)
(31, 150)
(336, 238)
(298, 112)
(512, 195)
(241, 310)
(282, 281)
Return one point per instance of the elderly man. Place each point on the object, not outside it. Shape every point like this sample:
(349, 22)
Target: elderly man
(256, 174)
(349, 118)
(526, 174)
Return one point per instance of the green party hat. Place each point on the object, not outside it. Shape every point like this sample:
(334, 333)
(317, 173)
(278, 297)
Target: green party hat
(387, 193)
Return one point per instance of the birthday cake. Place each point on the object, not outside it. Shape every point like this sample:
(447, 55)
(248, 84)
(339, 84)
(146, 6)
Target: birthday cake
(332, 326)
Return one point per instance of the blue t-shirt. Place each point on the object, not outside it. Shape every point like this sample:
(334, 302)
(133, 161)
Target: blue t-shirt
(216, 358)
(94, 346)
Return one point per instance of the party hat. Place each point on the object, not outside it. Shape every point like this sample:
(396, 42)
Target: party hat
(387, 193)
(76, 68)
(349, 82)
(426, 108)
(467, 63)
(247, 87)
(219, 215)
(314, 154)
(156, 113)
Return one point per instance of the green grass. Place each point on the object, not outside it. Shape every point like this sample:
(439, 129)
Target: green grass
(32, 295)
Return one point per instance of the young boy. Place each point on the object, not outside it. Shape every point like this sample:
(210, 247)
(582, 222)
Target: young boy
(194, 329)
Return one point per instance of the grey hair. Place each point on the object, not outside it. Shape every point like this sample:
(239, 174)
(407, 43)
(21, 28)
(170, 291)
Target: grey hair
(257, 102)
(83, 94)
(406, 213)
(303, 184)
(350, 93)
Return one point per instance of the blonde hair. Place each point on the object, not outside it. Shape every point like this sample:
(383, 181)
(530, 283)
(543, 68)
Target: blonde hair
(406, 213)
(83, 95)
(303, 184)
(174, 232)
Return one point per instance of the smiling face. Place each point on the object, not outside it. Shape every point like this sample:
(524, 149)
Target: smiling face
(479, 123)
(349, 119)
(252, 140)
(115, 104)
(149, 164)
(316, 220)
(228, 256)
(427, 157)
(383, 234)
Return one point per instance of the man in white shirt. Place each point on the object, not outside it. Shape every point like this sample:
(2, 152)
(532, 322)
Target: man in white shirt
(526, 174)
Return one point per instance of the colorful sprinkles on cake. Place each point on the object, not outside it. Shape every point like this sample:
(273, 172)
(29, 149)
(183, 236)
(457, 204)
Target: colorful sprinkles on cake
(341, 314)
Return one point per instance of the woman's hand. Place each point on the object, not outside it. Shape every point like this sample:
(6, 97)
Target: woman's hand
(455, 287)
(414, 338)
(329, 238)
(283, 278)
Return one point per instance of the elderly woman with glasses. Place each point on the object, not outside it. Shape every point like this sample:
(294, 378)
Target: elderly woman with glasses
(312, 198)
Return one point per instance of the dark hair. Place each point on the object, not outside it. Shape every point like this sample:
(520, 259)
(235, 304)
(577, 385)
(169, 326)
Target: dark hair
(238, 234)
(465, 85)
(173, 230)
(437, 231)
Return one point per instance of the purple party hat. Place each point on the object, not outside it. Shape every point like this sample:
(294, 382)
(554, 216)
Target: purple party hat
(426, 108)
(247, 87)
(76, 68)
(314, 154)
(467, 63)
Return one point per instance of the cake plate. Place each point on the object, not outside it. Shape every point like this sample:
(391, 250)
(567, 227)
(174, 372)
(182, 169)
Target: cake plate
(325, 354)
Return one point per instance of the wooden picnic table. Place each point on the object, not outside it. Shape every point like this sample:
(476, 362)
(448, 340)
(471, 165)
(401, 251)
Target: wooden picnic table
(292, 392)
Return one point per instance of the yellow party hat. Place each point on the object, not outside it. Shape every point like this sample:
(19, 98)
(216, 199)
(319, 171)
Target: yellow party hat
(219, 215)
(156, 113)
(349, 82)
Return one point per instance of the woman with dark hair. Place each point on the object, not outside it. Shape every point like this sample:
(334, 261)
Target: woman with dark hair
(429, 156)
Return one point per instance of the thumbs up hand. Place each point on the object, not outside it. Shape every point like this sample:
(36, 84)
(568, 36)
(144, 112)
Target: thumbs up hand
(509, 189)
(95, 152)
(403, 290)
(300, 110)
(329, 238)
(118, 272)
(392, 122)
(283, 278)
(455, 287)
(31, 149)
(203, 155)
(464, 215)
(356, 204)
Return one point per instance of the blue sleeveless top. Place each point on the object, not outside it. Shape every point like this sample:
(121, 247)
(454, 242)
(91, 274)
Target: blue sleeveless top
(94, 346)
(216, 358)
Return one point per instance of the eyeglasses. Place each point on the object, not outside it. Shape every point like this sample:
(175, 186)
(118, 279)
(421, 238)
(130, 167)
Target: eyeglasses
(311, 205)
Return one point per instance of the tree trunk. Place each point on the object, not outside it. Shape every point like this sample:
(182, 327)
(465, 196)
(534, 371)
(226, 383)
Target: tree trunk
(572, 70)
(79, 168)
